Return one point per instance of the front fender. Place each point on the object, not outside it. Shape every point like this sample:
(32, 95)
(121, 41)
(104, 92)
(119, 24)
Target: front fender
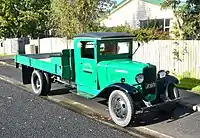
(124, 87)
(120, 86)
(170, 80)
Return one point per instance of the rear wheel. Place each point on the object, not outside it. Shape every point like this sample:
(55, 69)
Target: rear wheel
(121, 108)
(173, 92)
(38, 83)
(47, 87)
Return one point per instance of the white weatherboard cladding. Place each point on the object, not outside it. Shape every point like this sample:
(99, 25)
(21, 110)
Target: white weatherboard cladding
(134, 11)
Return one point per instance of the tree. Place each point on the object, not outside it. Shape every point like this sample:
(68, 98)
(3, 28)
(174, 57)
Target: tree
(75, 16)
(187, 17)
(20, 18)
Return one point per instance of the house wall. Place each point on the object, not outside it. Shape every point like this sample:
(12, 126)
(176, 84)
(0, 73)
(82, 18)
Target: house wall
(134, 11)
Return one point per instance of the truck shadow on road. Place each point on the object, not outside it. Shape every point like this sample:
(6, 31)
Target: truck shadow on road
(148, 117)
(158, 116)
(60, 91)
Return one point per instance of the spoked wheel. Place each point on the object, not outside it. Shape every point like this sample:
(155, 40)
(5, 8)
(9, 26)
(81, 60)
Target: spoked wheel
(121, 108)
(39, 83)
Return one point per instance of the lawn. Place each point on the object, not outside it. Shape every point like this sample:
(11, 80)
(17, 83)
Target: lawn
(2, 55)
(190, 84)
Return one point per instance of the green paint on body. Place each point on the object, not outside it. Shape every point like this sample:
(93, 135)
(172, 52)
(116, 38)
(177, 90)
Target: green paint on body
(115, 70)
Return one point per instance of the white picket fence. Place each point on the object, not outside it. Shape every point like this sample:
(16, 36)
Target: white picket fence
(13, 45)
(176, 56)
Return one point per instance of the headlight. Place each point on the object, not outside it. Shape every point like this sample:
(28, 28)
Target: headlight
(161, 74)
(139, 78)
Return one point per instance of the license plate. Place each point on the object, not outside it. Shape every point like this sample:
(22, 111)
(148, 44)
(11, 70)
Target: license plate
(149, 86)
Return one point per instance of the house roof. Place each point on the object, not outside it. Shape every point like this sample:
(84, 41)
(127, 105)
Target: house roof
(156, 2)
(103, 35)
(124, 2)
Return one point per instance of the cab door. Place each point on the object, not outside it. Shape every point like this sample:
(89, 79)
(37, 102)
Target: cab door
(87, 67)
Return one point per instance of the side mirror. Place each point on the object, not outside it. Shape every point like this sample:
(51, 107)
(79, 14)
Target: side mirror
(139, 44)
(80, 45)
(137, 48)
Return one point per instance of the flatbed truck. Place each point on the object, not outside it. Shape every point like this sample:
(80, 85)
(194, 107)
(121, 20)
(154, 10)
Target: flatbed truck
(101, 64)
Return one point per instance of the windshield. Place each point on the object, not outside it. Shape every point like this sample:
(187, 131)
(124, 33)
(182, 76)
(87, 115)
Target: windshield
(113, 48)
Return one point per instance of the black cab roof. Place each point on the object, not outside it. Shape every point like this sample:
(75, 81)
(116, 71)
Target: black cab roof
(105, 35)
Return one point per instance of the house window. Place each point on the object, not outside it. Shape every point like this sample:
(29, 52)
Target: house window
(163, 24)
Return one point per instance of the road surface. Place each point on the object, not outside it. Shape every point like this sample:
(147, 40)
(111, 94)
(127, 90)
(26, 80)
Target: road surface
(23, 115)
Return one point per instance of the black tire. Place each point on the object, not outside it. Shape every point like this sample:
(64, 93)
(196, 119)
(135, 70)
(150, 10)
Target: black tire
(38, 83)
(47, 87)
(119, 100)
(173, 92)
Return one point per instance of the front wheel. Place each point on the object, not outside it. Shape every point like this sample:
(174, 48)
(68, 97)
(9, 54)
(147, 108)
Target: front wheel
(121, 108)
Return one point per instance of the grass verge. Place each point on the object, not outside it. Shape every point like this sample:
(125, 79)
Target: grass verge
(190, 84)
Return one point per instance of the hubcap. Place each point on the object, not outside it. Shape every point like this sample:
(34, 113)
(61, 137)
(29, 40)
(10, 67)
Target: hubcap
(119, 107)
(37, 83)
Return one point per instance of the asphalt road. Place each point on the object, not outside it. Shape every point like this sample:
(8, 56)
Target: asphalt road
(182, 122)
(23, 115)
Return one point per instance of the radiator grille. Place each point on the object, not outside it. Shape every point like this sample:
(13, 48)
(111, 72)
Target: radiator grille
(149, 77)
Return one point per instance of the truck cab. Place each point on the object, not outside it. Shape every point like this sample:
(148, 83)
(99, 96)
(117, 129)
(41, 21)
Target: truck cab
(101, 64)
(100, 59)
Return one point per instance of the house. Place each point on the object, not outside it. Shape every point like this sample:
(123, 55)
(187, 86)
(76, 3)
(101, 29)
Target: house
(138, 13)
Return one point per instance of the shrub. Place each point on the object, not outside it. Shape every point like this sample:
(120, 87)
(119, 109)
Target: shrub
(141, 34)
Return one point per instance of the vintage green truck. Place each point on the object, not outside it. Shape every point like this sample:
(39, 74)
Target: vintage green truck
(100, 64)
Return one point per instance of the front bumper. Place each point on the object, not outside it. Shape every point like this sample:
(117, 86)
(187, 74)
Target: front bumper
(161, 105)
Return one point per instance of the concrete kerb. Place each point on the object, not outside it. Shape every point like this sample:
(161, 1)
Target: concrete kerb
(90, 113)
(6, 64)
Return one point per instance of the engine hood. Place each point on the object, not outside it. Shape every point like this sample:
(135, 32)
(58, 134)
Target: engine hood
(117, 69)
(124, 65)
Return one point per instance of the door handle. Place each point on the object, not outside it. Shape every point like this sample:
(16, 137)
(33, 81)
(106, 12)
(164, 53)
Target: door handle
(86, 71)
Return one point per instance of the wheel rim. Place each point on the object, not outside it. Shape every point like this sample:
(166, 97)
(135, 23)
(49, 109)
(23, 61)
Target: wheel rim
(37, 83)
(175, 91)
(119, 107)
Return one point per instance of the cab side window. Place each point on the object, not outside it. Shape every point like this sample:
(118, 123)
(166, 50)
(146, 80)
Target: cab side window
(87, 49)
